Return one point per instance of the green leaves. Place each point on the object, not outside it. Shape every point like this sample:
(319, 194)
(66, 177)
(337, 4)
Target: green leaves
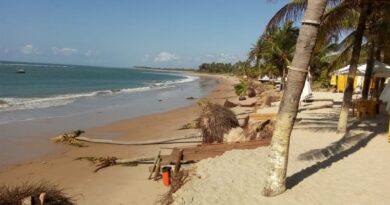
(241, 88)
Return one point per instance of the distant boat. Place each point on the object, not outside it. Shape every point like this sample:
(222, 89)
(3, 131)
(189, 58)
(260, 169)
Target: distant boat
(21, 71)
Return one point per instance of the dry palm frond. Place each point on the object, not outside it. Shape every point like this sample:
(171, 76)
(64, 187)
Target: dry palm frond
(215, 121)
(103, 162)
(178, 181)
(100, 162)
(259, 130)
(69, 138)
(53, 195)
(191, 125)
(266, 130)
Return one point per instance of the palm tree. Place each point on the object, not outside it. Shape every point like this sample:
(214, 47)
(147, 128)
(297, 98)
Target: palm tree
(278, 156)
(275, 49)
(341, 15)
(365, 10)
(378, 26)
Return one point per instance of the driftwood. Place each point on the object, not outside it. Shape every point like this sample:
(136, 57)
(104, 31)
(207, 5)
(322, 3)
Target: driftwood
(103, 162)
(157, 174)
(319, 100)
(147, 142)
(204, 151)
(133, 160)
(317, 107)
(154, 165)
(177, 162)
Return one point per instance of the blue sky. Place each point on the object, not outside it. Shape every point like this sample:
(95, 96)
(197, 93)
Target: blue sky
(158, 33)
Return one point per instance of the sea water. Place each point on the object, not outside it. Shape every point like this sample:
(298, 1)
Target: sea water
(48, 100)
(50, 90)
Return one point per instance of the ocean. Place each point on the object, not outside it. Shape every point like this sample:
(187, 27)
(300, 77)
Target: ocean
(51, 90)
(48, 100)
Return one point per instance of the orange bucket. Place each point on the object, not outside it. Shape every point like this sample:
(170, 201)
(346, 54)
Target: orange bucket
(166, 176)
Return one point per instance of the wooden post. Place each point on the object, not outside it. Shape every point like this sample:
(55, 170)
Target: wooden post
(154, 165)
(157, 171)
(178, 163)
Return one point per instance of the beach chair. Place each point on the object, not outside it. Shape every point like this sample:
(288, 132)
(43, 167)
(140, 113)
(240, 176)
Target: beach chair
(364, 108)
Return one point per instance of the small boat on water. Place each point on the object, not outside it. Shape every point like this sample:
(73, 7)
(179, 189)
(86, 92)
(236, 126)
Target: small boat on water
(21, 71)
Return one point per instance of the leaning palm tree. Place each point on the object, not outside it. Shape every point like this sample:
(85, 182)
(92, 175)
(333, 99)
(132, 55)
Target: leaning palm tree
(365, 10)
(278, 156)
(378, 26)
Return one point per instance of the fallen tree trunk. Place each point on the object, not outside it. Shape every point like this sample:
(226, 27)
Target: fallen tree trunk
(147, 142)
(317, 107)
(139, 159)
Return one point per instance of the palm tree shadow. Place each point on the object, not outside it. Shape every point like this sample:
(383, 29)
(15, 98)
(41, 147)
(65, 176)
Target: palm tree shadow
(333, 153)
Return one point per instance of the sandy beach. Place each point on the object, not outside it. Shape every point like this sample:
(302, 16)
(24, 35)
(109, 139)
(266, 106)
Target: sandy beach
(324, 167)
(114, 185)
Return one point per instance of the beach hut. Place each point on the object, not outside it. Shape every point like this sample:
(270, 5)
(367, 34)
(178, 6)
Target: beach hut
(339, 77)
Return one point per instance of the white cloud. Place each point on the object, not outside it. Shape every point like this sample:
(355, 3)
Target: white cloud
(29, 49)
(65, 51)
(166, 57)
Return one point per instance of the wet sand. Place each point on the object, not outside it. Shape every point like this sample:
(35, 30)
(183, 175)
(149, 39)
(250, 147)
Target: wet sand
(118, 184)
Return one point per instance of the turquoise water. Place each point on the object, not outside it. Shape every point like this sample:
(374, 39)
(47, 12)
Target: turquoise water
(80, 93)
(47, 85)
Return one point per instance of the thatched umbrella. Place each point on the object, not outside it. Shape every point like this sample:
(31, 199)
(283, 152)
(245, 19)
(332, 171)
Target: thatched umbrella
(215, 121)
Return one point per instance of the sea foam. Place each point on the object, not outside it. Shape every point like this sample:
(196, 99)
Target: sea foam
(10, 104)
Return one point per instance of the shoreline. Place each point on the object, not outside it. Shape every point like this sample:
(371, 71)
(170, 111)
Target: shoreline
(26, 140)
(77, 176)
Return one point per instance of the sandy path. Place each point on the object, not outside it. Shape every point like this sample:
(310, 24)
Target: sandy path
(324, 168)
(114, 185)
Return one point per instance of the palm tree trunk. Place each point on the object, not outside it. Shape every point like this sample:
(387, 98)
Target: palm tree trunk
(347, 99)
(369, 68)
(278, 157)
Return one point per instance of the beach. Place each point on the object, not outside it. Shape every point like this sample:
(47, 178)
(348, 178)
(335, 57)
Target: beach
(114, 185)
(324, 167)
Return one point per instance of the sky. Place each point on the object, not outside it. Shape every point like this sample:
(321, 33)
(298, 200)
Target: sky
(125, 33)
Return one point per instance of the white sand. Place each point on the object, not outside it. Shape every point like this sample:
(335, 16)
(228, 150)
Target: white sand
(324, 167)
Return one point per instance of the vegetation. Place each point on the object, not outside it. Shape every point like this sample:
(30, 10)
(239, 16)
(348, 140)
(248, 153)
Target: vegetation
(215, 121)
(69, 138)
(274, 50)
(240, 69)
(52, 194)
(241, 88)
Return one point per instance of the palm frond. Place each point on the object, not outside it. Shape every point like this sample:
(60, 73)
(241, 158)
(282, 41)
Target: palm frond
(292, 11)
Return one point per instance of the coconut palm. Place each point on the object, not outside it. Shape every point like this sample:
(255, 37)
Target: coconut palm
(368, 8)
(341, 16)
(275, 49)
(278, 156)
(365, 10)
(378, 26)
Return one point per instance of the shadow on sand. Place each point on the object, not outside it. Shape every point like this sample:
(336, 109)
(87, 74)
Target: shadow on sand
(336, 151)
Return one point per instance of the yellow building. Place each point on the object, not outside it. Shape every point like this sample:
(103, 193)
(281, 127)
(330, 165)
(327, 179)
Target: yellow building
(340, 81)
